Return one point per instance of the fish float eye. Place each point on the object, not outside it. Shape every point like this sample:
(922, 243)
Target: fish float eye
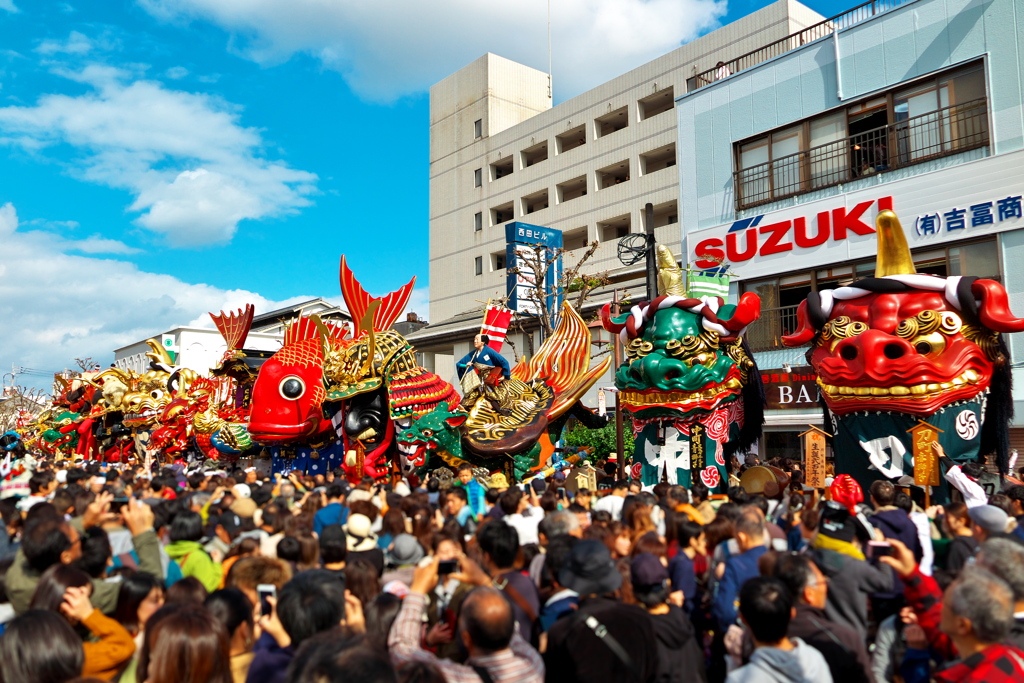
(292, 387)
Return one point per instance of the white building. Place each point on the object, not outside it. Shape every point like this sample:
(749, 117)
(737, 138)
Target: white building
(499, 152)
(200, 348)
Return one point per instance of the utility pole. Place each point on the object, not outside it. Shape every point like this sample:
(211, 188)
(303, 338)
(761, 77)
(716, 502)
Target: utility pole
(617, 351)
(652, 257)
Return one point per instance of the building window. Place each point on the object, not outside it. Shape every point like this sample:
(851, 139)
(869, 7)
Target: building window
(501, 214)
(478, 265)
(571, 189)
(571, 139)
(666, 214)
(478, 128)
(535, 202)
(615, 174)
(931, 118)
(498, 261)
(478, 221)
(613, 229)
(478, 177)
(575, 239)
(658, 159)
(658, 103)
(535, 154)
(611, 122)
(501, 168)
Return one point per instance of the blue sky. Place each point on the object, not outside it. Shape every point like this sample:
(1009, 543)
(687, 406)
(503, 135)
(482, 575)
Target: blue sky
(163, 158)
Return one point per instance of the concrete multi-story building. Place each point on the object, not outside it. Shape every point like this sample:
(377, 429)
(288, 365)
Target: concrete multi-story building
(500, 152)
(915, 105)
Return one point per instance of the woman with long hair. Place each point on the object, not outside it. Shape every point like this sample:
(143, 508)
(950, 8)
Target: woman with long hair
(185, 644)
(231, 608)
(140, 596)
(65, 590)
(40, 646)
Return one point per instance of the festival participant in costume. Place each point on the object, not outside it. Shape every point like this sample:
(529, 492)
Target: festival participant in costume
(480, 370)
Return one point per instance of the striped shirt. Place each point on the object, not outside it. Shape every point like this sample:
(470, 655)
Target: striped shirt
(519, 663)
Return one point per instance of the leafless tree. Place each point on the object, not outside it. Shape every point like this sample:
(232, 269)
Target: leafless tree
(19, 401)
(533, 266)
(86, 365)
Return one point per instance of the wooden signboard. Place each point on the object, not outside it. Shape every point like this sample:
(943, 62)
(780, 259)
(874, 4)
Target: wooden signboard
(926, 464)
(814, 457)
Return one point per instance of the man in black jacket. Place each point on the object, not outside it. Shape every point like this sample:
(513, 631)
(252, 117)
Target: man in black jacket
(842, 648)
(604, 640)
(680, 659)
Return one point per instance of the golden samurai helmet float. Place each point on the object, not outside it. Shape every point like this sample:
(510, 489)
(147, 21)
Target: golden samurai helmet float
(902, 347)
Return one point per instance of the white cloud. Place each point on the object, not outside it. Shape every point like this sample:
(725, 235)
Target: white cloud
(176, 72)
(8, 5)
(194, 171)
(76, 44)
(391, 48)
(57, 306)
(419, 303)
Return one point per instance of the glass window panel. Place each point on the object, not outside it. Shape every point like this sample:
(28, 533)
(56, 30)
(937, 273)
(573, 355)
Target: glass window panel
(980, 259)
(828, 150)
(786, 161)
(754, 177)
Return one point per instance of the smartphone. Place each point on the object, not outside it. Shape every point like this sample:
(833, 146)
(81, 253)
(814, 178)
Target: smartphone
(878, 549)
(446, 567)
(266, 590)
(117, 504)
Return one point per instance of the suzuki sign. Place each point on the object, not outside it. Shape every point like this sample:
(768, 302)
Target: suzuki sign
(965, 201)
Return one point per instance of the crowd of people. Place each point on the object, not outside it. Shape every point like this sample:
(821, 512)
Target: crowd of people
(195, 574)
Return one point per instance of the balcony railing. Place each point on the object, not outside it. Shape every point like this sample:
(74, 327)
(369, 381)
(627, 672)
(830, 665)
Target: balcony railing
(791, 42)
(940, 133)
(766, 334)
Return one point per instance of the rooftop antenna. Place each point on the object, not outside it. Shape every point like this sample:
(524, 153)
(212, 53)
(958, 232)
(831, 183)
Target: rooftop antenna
(550, 95)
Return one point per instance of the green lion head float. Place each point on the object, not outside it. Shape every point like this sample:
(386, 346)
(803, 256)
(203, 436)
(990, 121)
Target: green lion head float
(687, 380)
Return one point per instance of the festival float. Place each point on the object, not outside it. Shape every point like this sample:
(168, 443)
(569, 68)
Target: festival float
(903, 353)
(687, 380)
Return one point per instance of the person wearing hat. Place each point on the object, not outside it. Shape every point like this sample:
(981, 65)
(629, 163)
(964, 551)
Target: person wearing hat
(836, 551)
(605, 640)
(405, 553)
(987, 521)
(362, 542)
(680, 658)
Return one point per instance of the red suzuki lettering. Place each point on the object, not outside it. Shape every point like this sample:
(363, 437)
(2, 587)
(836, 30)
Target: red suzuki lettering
(820, 237)
(730, 246)
(842, 221)
(707, 250)
(774, 245)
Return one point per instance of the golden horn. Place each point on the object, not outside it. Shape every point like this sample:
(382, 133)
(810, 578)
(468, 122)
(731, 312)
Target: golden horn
(371, 343)
(670, 275)
(893, 253)
(157, 353)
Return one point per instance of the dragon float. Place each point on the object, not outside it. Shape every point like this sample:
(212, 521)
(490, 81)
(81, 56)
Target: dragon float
(903, 347)
(520, 423)
(687, 380)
